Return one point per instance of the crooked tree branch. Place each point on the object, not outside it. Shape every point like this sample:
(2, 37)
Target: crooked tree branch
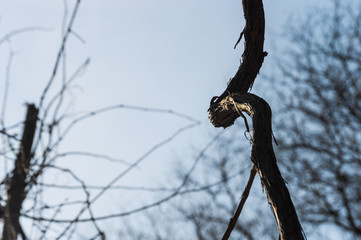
(253, 54)
(226, 108)
(223, 114)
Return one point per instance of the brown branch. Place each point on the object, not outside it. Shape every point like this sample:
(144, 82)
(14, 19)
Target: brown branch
(16, 192)
(233, 220)
(253, 54)
(224, 110)
(224, 114)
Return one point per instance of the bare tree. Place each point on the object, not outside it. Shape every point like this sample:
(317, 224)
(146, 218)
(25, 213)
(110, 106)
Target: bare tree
(320, 128)
(216, 191)
(203, 208)
(31, 158)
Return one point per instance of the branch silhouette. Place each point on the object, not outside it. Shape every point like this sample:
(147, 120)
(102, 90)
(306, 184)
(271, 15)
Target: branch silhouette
(226, 108)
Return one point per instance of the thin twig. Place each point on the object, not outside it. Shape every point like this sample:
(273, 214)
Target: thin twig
(60, 54)
(233, 220)
(177, 192)
(3, 108)
(135, 164)
(239, 39)
(19, 31)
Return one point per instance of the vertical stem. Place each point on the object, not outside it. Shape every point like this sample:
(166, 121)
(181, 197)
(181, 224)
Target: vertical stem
(233, 220)
(16, 191)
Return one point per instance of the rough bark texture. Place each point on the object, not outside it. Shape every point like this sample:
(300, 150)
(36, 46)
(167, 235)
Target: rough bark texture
(226, 108)
(223, 114)
(253, 55)
(17, 183)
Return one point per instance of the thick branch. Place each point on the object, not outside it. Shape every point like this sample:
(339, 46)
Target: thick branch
(16, 192)
(223, 114)
(253, 54)
(224, 110)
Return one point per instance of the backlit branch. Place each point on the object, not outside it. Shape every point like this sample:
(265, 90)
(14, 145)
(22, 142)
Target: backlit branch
(224, 110)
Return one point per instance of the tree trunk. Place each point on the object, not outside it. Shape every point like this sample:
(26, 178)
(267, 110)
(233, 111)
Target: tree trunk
(17, 183)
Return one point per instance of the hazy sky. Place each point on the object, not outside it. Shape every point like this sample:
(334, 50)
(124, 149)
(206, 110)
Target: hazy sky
(165, 54)
(169, 54)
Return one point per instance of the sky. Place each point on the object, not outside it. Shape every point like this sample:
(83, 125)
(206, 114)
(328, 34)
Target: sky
(167, 54)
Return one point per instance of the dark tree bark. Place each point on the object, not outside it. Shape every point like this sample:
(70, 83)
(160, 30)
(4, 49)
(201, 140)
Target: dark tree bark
(224, 110)
(17, 183)
(253, 54)
(223, 114)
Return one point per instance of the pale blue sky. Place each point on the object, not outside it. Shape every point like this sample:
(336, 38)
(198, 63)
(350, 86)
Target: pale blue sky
(165, 54)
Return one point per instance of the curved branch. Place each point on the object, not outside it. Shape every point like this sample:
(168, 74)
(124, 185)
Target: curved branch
(223, 114)
(253, 54)
(224, 110)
